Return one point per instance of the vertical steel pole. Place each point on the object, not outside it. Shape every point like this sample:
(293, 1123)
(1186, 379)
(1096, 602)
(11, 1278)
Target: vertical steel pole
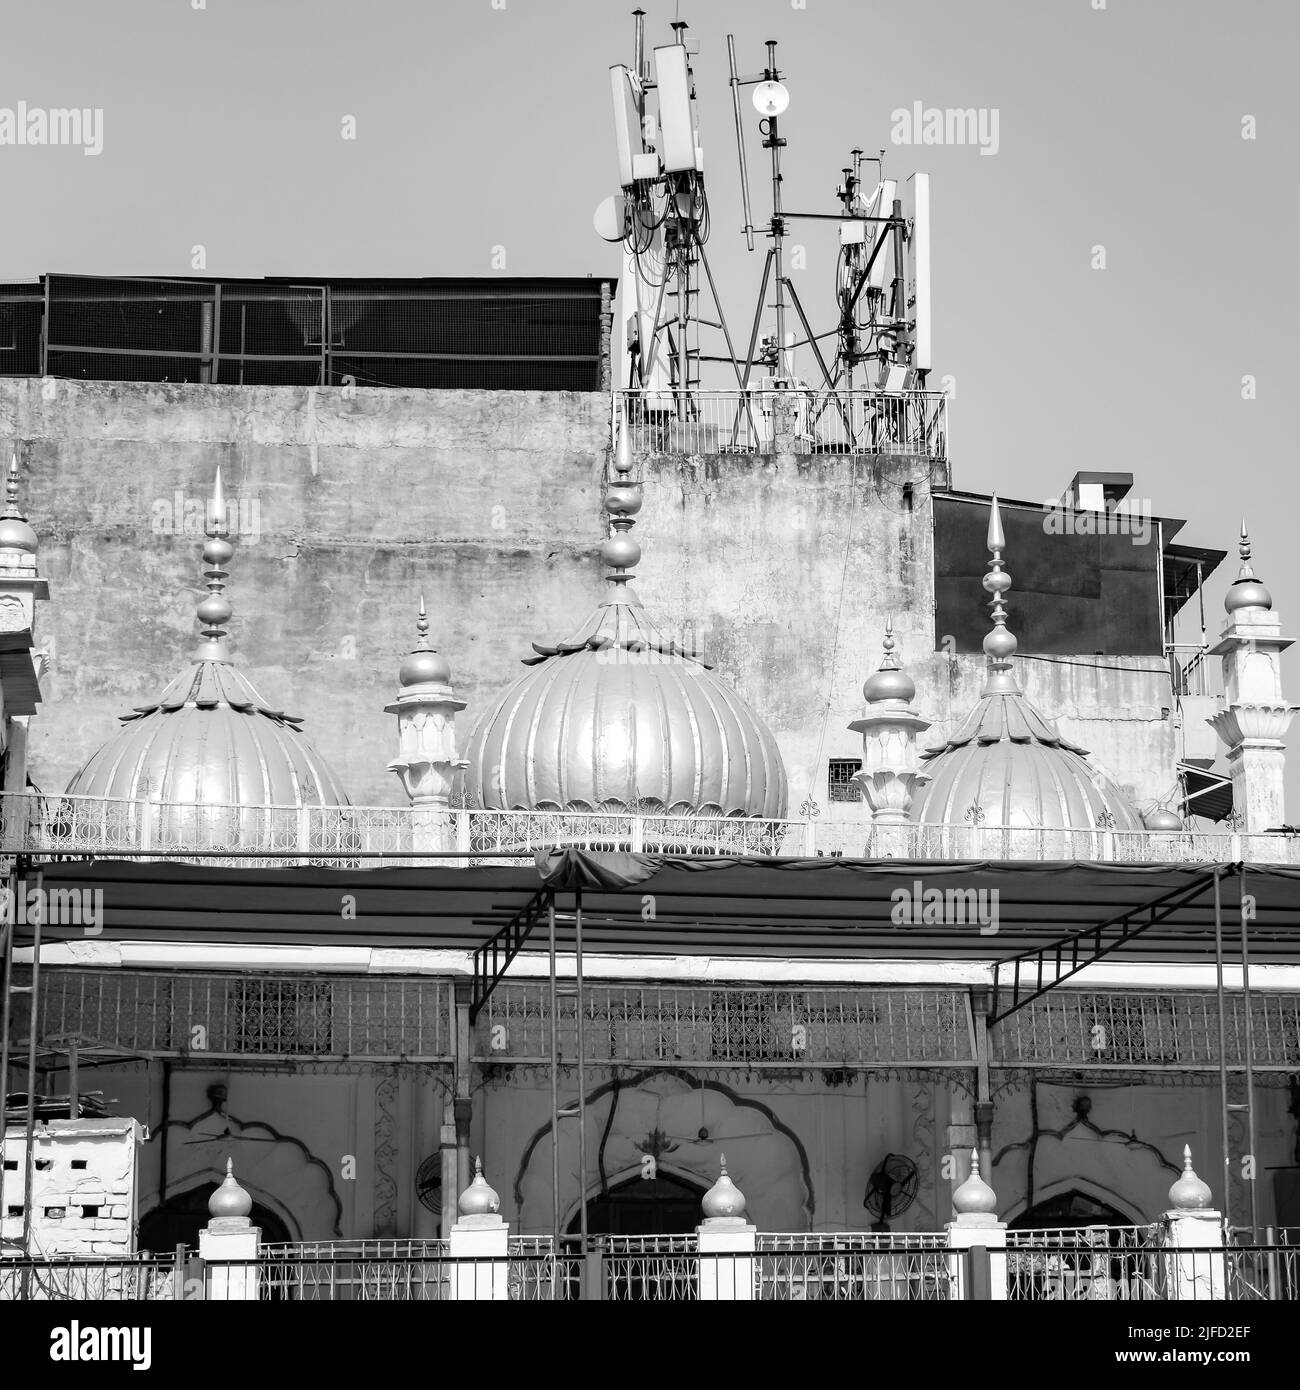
(1249, 1060)
(29, 1128)
(555, 1089)
(582, 1076)
(6, 981)
(1223, 1041)
(74, 1096)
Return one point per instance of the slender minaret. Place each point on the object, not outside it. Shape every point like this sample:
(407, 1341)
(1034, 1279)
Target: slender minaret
(426, 708)
(890, 762)
(1256, 714)
(20, 586)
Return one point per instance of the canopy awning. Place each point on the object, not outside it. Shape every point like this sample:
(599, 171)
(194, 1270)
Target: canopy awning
(823, 908)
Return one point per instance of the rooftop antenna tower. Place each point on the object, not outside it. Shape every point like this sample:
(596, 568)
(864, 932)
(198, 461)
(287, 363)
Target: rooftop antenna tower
(661, 217)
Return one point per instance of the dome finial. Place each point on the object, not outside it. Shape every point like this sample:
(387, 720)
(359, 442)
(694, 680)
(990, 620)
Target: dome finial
(230, 1201)
(724, 1200)
(1189, 1193)
(17, 539)
(999, 644)
(975, 1197)
(622, 501)
(423, 664)
(214, 611)
(890, 681)
(1246, 591)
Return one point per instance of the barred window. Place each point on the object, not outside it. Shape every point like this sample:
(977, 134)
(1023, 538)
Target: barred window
(840, 785)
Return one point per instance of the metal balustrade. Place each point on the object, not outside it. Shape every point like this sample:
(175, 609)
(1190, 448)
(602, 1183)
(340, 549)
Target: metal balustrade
(1079, 1264)
(802, 420)
(852, 1027)
(371, 836)
(724, 1025)
(250, 1016)
(1176, 1029)
(138, 1279)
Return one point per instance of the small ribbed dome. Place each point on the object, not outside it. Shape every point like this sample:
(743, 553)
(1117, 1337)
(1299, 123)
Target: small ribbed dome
(210, 739)
(619, 719)
(1007, 765)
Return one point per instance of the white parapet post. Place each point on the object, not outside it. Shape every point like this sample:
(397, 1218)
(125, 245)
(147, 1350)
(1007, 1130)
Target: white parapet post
(229, 1245)
(480, 1245)
(1195, 1258)
(975, 1224)
(726, 1244)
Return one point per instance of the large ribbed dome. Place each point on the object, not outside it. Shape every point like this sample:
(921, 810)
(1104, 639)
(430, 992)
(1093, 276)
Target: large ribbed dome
(1007, 765)
(210, 739)
(619, 719)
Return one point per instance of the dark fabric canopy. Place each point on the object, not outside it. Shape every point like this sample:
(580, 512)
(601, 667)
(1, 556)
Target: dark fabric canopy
(643, 905)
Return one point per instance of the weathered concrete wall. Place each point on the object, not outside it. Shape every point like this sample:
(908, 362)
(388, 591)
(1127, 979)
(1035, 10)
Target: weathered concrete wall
(337, 1154)
(356, 500)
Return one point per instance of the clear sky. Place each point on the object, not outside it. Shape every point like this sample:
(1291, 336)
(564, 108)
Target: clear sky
(483, 125)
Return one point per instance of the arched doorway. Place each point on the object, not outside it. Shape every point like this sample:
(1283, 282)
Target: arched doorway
(666, 1204)
(1073, 1208)
(179, 1220)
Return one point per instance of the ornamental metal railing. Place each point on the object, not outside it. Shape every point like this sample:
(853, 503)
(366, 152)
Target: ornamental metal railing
(833, 1028)
(371, 836)
(728, 1025)
(1121, 1030)
(799, 420)
(138, 1279)
(251, 1016)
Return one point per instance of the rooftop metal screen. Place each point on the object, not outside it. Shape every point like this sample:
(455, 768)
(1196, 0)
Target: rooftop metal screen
(541, 335)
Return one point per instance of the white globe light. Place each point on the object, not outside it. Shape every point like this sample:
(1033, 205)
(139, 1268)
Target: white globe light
(771, 99)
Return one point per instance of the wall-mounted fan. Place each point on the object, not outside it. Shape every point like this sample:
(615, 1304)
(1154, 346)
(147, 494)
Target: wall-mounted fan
(891, 1189)
(428, 1183)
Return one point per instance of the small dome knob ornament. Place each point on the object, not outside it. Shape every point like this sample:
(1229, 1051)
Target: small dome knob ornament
(724, 1198)
(975, 1197)
(229, 1201)
(1189, 1193)
(478, 1199)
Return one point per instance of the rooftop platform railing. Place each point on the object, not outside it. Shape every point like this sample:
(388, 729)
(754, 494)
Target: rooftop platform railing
(371, 836)
(799, 420)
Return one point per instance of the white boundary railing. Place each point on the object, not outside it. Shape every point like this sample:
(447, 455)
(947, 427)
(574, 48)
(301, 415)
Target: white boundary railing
(372, 835)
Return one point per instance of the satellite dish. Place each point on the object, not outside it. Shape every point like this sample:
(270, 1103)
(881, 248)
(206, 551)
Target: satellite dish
(610, 219)
(771, 99)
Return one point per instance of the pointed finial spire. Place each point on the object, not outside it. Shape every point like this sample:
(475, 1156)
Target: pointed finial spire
(1243, 549)
(214, 611)
(422, 628)
(11, 488)
(622, 501)
(1000, 643)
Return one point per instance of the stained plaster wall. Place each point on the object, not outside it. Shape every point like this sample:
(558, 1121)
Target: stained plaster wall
(801, 1146)
(786, 566)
